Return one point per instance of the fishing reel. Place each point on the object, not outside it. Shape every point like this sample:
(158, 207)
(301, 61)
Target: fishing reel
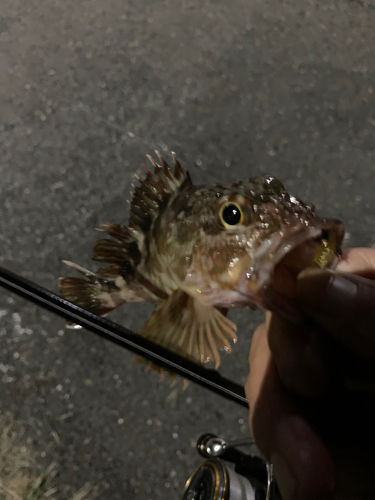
(230, 474)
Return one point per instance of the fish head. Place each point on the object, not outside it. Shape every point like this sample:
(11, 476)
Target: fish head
(255, 240)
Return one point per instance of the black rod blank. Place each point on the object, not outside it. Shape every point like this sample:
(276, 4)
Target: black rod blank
(210, 379)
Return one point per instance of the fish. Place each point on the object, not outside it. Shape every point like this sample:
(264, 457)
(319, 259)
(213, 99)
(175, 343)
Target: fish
(198, 251)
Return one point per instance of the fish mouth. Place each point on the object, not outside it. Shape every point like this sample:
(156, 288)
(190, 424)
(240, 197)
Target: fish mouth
(283, 256)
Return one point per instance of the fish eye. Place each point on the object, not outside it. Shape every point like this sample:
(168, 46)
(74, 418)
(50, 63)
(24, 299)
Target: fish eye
(231, 214)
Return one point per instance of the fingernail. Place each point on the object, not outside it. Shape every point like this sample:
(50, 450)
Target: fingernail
(283, 475)
(322, 291)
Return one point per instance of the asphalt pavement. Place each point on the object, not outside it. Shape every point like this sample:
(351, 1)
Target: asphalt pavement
(87, 88)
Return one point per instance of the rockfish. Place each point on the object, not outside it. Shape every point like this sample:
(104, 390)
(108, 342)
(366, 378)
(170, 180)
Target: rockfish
(196, 251)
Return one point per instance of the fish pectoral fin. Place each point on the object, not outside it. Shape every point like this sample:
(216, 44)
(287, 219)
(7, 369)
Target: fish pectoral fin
(184, 325)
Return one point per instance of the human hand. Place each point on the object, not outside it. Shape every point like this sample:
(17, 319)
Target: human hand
(311, 385)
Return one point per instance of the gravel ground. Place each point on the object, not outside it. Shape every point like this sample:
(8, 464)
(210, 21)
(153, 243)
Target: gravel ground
(86, 90)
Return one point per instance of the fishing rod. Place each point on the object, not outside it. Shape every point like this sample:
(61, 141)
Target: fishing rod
(228, 473)
(210, 379)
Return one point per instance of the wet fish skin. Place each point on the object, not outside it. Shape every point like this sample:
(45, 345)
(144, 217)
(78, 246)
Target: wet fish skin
(196, 251)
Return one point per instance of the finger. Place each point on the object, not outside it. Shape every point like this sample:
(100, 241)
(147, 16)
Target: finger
(302, 465)
(298, 355)
(343, 304)
(358, 261)
(309, 364)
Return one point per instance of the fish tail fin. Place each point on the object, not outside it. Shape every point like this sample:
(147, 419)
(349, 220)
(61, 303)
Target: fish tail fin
(115, 284)
(92, 292)
(123, 254)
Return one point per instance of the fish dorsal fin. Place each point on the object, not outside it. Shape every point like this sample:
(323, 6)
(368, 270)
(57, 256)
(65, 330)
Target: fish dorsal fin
(155, 191)
(191, 329)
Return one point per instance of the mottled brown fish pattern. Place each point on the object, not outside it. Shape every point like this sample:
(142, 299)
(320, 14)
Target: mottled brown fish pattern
(196, 251)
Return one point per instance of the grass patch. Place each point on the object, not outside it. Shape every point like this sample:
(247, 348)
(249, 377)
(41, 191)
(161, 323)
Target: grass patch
(20, 476)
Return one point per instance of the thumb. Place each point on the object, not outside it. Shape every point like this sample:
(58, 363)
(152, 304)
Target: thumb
(343, 304)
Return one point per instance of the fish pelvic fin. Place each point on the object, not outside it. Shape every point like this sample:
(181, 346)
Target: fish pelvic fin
(184, 325)
(155, 192)
(92, 292)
